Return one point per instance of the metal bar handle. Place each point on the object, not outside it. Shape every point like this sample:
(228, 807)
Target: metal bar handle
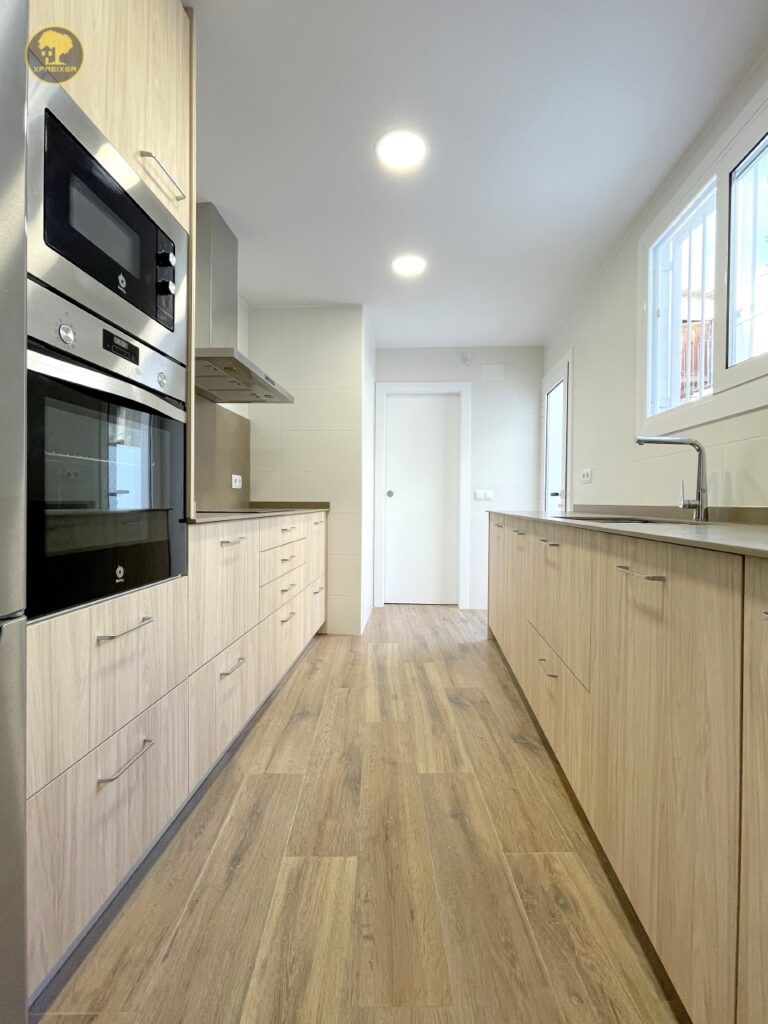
(231, 543)
(288, 529)
(116, 636)
(543, 666)
(145, 745)
(641, 575)
(153, 156)
(765, 616)
(553, 544)
(284, 590)
(290, 558)
(321, 589)
(499, 526)
(317, 522)
(520, 533)
(291, 616)
(240, 662)
(543, 540)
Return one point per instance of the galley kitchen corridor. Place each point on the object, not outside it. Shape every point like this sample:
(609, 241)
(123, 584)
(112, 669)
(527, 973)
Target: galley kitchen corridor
(389, 844)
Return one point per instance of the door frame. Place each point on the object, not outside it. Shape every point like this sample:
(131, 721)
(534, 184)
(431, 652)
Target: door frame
(561, 370)
(464, 390)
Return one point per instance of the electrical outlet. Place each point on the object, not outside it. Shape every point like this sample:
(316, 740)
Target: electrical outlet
(586, 476)
(237, 481)
(481, 495)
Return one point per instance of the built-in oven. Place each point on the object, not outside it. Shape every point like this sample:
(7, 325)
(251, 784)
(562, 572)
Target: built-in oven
(105, 459)
(97, 234)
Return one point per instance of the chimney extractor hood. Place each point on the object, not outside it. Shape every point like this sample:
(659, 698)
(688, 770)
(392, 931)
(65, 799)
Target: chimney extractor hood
(226, 375)
(222, 372)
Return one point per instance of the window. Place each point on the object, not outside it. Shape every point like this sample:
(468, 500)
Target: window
(681, 307)
(748, 291)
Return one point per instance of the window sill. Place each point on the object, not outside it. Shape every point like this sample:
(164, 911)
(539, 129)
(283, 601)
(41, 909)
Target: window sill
(735, 401)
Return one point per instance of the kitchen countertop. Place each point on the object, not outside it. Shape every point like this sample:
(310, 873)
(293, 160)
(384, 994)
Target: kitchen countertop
(254, 513)
(737, 538)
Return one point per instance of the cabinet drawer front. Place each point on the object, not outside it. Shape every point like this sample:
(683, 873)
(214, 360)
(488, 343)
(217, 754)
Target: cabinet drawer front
(58, 697)
(282, 530)
(277, 593)
(138, 647)
(318, 605)
(317, 529)
(233, 669)
(279, 561)
(88, 828)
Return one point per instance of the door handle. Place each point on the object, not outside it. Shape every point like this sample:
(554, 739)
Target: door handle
(390, 494)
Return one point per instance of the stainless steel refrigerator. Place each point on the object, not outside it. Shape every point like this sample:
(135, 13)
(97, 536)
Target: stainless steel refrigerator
(13, 345)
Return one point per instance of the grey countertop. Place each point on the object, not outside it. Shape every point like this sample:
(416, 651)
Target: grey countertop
(254, 513)
(737, 538)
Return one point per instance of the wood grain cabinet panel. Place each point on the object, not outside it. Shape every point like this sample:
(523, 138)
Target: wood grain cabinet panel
(279, 561)
(316, 539)
(279, 591)
(497, 589)
(135, 83)
(279, 530)
(87, 829)
(319, 605)
(58, 695)
(666, 668)
(138, 652)
(223, 586)
(753, 931)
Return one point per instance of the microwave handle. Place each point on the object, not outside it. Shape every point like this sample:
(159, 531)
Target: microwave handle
(84, 377)
(153, 156)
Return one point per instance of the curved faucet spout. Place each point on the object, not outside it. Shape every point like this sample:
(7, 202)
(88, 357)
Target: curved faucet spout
(699, 503)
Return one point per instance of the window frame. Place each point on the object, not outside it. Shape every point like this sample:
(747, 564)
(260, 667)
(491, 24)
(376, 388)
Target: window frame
(739, 388)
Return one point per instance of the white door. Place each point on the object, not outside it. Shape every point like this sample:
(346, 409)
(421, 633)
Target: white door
(556, 440)
(421, 506)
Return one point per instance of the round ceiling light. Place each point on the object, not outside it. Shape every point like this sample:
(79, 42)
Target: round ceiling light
(401, 150)
(409, 265)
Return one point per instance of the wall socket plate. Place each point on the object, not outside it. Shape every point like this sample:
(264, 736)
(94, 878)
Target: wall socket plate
(586, 476)
(481, 495)
(237, 482)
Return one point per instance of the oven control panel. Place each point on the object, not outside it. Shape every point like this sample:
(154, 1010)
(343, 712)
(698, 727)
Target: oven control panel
(62, 325)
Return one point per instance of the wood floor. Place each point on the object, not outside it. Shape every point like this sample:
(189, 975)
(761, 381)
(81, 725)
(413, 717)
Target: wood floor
(390, 844)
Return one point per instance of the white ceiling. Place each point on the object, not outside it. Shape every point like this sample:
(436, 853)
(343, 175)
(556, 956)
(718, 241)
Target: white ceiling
(549, 125)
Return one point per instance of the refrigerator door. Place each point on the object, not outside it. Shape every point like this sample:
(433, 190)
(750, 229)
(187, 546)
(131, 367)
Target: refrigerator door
(13, 334)
(13, 981)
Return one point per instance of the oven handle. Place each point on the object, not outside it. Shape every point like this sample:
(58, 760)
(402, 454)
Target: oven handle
(83, 376)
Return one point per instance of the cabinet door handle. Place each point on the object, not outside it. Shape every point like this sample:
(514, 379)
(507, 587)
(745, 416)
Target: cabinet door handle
(319, 590)
(553, 544)
(640, 575)
(520, 533)
(765, 616)
(317, 522)
(543, 666)
(291, 616)
(284, 590)
(290, 558)
(499, 526)
(105, 637)
(181, 194)
(240, 662)
(287, 529)
(145, 745)
(543, 540)
(231, 543)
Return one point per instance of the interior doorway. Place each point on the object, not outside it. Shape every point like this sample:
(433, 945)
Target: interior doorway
(556, 401)
(422, 518)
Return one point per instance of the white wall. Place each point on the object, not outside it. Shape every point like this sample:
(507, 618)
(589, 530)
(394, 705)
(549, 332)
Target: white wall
(368, 454)
(602, 331)
(313, 450)
(506, 409)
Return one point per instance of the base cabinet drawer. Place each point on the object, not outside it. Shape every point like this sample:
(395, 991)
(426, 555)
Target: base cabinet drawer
(282, 530)
(318, 613)
(89, 827)
(218, 706)
(279, 561)
(278, 592)
(316, 541)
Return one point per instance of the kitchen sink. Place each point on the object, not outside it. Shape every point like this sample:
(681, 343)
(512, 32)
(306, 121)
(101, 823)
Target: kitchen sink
(626, 520)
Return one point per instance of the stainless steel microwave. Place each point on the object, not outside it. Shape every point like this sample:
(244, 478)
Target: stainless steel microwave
(97, 235)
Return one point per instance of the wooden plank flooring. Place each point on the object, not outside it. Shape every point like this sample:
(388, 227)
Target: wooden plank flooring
(390, 844)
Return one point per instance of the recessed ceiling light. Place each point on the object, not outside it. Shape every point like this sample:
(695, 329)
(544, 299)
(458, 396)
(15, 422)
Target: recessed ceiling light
(401, 150)
(409, 265)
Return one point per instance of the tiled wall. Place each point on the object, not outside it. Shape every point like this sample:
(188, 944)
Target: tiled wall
(312, 450)
(601, 330)
(506, 410)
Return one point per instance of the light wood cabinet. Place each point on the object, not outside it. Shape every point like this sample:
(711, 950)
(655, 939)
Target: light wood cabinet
(753, 930)
(58, 695)
(279, 561)
(319, 605)
(89, 827)
(279, 591)
(135, 83)
(632, 666)
(279, 530)
(223, 586)
(497, 584)
(316, 544)
(138, 648)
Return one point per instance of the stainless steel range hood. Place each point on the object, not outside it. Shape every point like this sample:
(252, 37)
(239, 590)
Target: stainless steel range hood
(226, 375)
(222, 372)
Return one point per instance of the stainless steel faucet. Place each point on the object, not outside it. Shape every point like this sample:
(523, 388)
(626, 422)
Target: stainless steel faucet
(699, 503)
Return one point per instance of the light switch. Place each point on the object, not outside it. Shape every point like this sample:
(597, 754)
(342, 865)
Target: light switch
(481, 495)
(237, 481)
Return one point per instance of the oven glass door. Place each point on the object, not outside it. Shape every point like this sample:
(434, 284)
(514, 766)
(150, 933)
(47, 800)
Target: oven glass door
(94, 223)
(105, 496)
